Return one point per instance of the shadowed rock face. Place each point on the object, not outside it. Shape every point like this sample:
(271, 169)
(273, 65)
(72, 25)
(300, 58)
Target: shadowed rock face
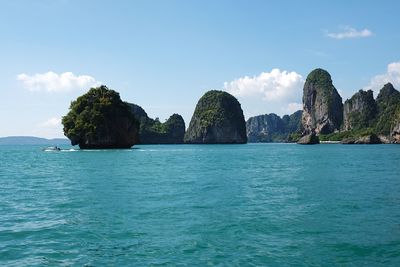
(322, 104)
(217, 119)
(359, 111)
(122, 133)
(154, 132)
(272, 128)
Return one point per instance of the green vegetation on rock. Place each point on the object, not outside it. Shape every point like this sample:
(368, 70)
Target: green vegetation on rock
(322, 79)
(211, 108)
(99, 119)
(294, 137)
(339, 136)
(388, 102)
(360, 111)
(218, 118)
(152, 131)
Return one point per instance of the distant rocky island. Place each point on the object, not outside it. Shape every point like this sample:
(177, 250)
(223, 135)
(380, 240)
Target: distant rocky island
(360, 120)
(152, 131)
(217, 119)
(272, 128)
(100, 119)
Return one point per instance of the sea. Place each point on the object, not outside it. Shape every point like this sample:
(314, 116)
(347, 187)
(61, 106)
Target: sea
(201, 205)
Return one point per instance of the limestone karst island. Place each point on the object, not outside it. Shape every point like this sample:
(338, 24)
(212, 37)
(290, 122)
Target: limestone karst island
(100, 119)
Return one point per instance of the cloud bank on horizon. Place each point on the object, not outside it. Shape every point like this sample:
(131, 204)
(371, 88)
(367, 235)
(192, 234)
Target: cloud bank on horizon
(53, 82)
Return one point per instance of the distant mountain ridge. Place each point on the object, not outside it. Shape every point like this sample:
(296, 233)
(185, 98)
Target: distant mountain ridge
(32, 140)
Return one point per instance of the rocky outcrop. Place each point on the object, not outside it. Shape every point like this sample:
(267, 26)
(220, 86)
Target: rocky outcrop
(359, 111)
(395, 133)
(272, 128)
(217, 119)
(138, 111)
(99, 119)
(385, 139)
(322, 104)
(264, 128)
(388, 102)
(367, 139)
(309, 139)
(152, 131)
(293, 122)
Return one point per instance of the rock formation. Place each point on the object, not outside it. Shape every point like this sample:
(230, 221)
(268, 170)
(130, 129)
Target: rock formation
(99, 119)
(293, 122)
(217, 119)
(272, 128)
(322, 104)
(359, 111)
(154, 132)
(367, 139)
(309, 139)
(395, 132)
(388, 102)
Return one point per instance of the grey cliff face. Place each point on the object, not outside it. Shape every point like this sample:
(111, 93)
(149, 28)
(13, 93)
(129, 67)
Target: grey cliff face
(359, 111)
(322, 104)
(271, 127)
(261, 128)
(217, 119)
(395, 134)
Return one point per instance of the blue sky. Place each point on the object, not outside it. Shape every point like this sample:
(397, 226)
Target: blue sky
(163, 55)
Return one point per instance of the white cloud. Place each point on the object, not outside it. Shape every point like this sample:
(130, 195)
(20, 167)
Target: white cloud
(349, 32)
(392, 75)
(274, 85)
(52, 122)
(51, 128)
(53, 82)
(275, 91)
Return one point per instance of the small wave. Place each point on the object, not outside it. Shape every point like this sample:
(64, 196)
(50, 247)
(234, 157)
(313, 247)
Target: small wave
(69, 150)
(167, 150)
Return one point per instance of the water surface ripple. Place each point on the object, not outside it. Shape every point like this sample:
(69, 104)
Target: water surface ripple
(199, 205)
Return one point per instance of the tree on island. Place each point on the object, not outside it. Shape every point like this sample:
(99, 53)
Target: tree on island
(100, 119)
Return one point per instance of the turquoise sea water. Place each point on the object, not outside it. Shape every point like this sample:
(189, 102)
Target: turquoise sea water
(200, 205)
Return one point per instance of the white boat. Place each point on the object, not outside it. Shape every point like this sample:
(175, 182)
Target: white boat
(52, 148)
